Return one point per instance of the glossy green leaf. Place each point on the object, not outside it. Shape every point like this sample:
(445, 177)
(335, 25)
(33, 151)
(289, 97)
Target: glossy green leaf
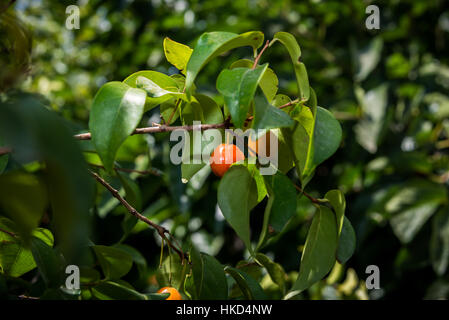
(439, 242)
(109, 290)
(268, 83)
(48, 262)
(284, 206)
(234, 199)
(116, 111)
(250, 288)
(345, 234)
(275, 270)
(23, 196)
(412, 205)
(346, 242)
(177, 54)
(154, 91)
(114, 262)
(238, 87)
(15, 258)
(269, 117)
(327, 136)
(292, 46)
(212, 44)
(301, 139)
(208, 277)
(320, 248)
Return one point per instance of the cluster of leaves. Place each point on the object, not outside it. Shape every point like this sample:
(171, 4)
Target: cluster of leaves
(310, 135)
(388, 87)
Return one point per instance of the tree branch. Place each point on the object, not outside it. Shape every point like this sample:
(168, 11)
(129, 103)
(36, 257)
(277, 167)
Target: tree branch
(160, 230)
(12, 234)
(314, 200)
(162, 128)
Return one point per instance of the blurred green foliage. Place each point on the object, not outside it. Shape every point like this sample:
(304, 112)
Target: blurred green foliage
(388, 88)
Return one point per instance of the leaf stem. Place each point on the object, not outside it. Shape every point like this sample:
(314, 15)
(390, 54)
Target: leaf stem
(256, 61)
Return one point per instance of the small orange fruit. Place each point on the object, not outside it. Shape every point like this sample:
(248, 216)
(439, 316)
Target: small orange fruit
(174, 294)
(223, 157)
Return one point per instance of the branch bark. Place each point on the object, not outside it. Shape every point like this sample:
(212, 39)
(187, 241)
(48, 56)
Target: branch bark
(160, 230)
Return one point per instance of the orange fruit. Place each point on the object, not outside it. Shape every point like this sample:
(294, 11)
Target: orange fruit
(174, 294)
(223, 157)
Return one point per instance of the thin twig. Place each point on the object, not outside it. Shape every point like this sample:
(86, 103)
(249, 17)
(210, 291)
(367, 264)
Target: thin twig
(22, 296)
(5, 150)
(314, 200)
(256, 61)
(160, 229)
(12, 234)
(161, 128)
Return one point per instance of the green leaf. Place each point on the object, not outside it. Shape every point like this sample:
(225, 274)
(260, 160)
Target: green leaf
(369, 129)
(116, 111)
(284, 205)
(155, 91)
(269, 117)
(366, 59)
(238, 87)
(212, 44)
(327, 136)
(138, 258)
(114, 262)
(412, 205)
(132, 190)
(345, 234)
(269, 81)
(15, 259)
(439, 242)
(37, 134)
(3, 158)
(346, 242)
(281, 205)
(249, 287)
(275, 270)
(234, 199)
(320, 249)
(177, 54)
(157, 296)
(338, 203)
(23, 196)
(48, 262)
(109, 290)
(208, 277)
(172, 272)
(301, 139)
(292, 46)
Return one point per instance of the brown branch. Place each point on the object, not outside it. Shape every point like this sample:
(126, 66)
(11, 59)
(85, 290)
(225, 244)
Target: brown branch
(12, 234)
(162, 128)
(160, 230)
(314, 200)
(5, 150)
(256, 61)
